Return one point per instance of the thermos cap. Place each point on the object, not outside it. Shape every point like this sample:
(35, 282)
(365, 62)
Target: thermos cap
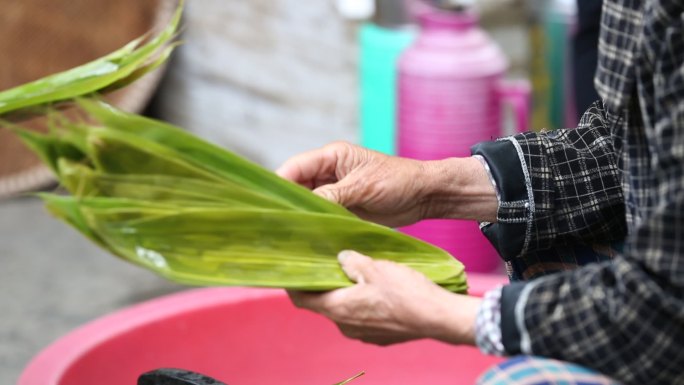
(452, 5)
(356, 9)
(392, 13)
(386, 13)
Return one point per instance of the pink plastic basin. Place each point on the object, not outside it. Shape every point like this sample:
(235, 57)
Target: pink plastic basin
(241, 337)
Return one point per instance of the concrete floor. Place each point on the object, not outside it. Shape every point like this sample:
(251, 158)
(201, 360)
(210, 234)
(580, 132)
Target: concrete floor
(53, 280)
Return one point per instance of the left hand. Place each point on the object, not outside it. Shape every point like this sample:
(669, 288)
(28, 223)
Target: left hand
(392, 303)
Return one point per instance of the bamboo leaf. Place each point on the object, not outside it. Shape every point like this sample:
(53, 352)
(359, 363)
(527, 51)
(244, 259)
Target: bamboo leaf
(49, 147)
(133, 60)
(253, 247)
(83, 181)
(215, 159)
(150, 203)
(68, 209)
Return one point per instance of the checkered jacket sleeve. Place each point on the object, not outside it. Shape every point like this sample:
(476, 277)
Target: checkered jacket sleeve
(556, 188)
(624, 317)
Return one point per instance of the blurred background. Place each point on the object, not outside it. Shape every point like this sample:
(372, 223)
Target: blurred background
(265, 78)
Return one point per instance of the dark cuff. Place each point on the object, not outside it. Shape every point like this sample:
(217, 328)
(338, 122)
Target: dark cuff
(510, 332)
(508, 234)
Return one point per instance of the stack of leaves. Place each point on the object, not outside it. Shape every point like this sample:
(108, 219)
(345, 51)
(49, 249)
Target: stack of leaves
(193, 212)
(197, 214)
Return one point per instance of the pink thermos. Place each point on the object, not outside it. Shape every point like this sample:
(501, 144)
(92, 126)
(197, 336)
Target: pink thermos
(451, 96)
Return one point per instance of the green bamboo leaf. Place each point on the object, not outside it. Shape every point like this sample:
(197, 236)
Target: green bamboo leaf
(134, 59)
(129, 199)
(215, 159)
(83, 181)
(118, 152)
(254, 247)
(50, 147)
(68, 210)
(77, 178)
(142, 70)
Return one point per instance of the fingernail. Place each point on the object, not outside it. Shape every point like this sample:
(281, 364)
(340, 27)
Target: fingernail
(343, 255)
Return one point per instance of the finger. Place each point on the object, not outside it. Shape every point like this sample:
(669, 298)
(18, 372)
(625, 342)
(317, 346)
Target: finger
(327, 303)
(398, 220)
(350, 331)
(386, 340)
(306, 300)
(358, 267)
(307, 167)
(347, 192)
(373, 335)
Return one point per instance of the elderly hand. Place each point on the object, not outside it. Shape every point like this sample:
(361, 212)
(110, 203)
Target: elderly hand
(391, 303)
(395, 191)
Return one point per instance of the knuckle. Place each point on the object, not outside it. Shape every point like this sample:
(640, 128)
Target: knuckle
(333, 194)
(366, 188)
(339, 146)
(349, 154)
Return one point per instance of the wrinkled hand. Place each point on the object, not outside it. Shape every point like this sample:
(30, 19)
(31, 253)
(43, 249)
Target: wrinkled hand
(394, 191)
(392, 303)
(376, 187)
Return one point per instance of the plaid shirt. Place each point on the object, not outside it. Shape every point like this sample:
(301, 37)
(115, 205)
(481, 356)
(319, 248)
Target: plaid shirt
(620, 174)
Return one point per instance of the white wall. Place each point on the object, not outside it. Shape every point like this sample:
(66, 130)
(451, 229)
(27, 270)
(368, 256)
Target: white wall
(271, 78)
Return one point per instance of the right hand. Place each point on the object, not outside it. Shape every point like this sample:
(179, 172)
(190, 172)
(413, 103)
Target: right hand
(394, 191)
(391, 303)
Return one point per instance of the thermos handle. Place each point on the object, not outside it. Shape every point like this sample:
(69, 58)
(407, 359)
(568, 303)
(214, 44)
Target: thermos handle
(518, 94)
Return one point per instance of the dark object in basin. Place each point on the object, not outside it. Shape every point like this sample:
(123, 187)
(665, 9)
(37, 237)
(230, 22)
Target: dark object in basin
(175, 377)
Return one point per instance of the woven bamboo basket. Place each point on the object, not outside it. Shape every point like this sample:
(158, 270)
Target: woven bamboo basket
(39, 37)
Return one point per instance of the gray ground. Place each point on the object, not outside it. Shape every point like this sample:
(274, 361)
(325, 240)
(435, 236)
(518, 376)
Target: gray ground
(53, 280)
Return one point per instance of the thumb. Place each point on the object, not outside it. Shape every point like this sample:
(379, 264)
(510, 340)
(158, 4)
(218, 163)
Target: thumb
(345, 192)
(358, 267)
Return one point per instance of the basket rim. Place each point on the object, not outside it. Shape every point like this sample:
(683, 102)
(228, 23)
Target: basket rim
(137, 96)
(35, 177)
